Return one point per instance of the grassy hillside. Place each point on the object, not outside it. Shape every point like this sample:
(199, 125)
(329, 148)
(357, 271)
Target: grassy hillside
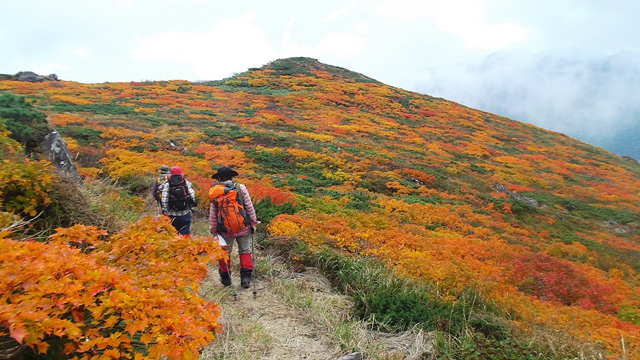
(501, 234)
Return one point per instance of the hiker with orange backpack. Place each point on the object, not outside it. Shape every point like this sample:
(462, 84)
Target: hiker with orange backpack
(155, 191)
(178, 198)
(232, 216)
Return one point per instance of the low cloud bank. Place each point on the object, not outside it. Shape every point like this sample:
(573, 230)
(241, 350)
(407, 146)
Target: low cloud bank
(592, 99)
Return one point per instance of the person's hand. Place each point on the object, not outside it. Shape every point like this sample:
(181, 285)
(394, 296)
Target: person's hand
(254, 226)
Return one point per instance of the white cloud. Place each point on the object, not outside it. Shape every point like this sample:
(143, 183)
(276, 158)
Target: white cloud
(49, 69)
(590, 99)
(81, 53)
(462, 18)
(237, 44)
(337, 14)
(125, 3)
(231, 45)
(339, 44)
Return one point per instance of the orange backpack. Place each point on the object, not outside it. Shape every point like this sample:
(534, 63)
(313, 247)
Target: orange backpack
(232, 217)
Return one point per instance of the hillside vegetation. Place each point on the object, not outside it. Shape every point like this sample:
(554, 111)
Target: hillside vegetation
(508, 240)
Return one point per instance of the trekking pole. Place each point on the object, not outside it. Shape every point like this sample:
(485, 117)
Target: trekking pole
(253, 261)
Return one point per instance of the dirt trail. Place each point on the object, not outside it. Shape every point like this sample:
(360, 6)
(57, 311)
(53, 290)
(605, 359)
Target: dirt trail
(297, 316)
(269, 325)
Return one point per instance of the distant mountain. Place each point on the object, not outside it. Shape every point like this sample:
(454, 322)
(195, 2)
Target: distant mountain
(626, 141)
(509, 240)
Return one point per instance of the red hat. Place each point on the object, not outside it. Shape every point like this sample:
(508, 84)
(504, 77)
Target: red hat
(176, 170)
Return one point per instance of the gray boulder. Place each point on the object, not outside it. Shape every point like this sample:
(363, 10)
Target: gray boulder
(29, 76)
(525, 199)
(352, 356)
(500, 188)
(619, 228)
(55, 150)
(514, 195)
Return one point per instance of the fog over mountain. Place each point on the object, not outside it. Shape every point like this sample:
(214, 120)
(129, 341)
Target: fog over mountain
(592, 99)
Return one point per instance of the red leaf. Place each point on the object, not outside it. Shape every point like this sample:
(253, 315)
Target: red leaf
(77, 315)
(18, 333)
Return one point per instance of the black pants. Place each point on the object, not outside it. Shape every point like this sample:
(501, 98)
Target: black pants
(181, 223)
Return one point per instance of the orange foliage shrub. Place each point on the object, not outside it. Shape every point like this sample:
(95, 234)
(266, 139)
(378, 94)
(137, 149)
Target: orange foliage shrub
(278, 197)
(24, 184)
(69, 99)
(65, 119)
(419, 175)
(224, 155)
(132, 296)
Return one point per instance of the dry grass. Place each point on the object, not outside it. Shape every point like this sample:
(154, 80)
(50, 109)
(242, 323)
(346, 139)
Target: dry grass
(297, 316)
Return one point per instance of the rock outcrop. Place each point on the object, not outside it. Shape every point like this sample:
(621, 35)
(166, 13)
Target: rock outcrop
(55, 150)
(29, 76)
(514, 195)
(619, 228)
(525, 199)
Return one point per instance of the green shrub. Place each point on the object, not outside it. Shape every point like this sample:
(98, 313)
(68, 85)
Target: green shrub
(27, 125)
(272, 163)
(304, 187)
(82, 134)
(266, 210)
(396, 305)
(101, 109)
(485, 348)
(137, 185)
(585, 210)
(478, 169)
(360, 201)
(520, 207)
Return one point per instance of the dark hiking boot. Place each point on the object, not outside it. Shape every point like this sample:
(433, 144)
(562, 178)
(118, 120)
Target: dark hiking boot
(225, 278)
(245, 278)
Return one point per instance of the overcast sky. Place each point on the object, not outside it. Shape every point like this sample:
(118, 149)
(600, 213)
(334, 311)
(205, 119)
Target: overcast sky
(567, 65)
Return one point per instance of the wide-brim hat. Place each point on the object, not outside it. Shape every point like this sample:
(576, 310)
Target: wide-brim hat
(224, 170)
(164, 169)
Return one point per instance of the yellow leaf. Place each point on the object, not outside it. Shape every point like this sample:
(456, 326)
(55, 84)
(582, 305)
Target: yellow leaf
(42, 347)
(146, 338)
(110, 321)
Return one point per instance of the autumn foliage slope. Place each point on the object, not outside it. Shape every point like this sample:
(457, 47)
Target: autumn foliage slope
(539, 227)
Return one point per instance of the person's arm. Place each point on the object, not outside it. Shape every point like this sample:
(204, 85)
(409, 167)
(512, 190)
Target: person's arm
(154, 191)
(213, 219)
(248, 205)
(192, 195)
